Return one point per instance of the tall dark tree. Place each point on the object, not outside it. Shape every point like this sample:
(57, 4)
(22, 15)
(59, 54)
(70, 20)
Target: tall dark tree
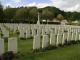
(60, 17)
(1, 12)
(10, 13)
(33, 14)
(21, 15)
(30, 14)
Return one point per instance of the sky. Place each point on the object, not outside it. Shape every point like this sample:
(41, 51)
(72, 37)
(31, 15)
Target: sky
(66, 5)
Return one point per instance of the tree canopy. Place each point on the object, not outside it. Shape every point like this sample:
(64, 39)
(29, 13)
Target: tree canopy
(1, 12)
(30, 14)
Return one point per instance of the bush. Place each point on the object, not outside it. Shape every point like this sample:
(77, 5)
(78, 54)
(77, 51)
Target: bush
(73, 42)
(8, 55)
(22, 38)
(30, 38)
(36, 50)
(78, 41)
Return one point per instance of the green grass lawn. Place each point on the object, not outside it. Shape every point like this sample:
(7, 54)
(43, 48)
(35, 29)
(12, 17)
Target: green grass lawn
(71, 52)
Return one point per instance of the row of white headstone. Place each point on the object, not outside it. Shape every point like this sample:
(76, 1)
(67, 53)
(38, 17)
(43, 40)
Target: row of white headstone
(3, 31)
(55, 36)
(25, 31)
(51, 34)
(21, 30)
(12, 45)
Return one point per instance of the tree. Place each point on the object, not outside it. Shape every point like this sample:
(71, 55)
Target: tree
(1, 13)
(33, 14)
(60, 17)
(30, 14)
(10, 13)
(21, 15)
(46, 14)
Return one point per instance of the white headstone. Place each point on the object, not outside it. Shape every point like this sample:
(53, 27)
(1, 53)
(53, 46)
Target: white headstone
(57, 41)
(68, 36)
(72, 38)
(72, 34)
(34, 32)
(28, 35)
(1, 46)
(28, 32)
(36, 42)
(76, 35)
(79, 36)
(38, 32)
(45, 41)
(5, 34)
(63, 40)
(53, 39)
(60, 38)
(43, 31)
(60, 35)
(12, 44)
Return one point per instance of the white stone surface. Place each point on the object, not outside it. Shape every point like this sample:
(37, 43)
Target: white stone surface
(57, 41)
(28, 32)
(1, 46)
(5, 34)
(45, 41)
(72, 37)
(79, 36)
(76, 35)
(34, 32)
(43, 32)
(12, 44)
(63, 39)
(36, 42)
(68, 35)
(52, 39)
(60, 38)
(22, 35)
(28, 35)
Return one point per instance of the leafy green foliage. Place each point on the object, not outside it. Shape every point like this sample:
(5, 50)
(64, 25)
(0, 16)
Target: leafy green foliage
(30, 14)
(60, 17)
(1, 12)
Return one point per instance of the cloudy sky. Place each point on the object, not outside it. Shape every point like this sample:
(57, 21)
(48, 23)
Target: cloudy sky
(67, 5)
